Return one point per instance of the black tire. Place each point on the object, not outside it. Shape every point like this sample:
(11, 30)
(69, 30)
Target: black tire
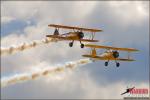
(70, 44)
(82, 45)
(117, 64)
(106, 63)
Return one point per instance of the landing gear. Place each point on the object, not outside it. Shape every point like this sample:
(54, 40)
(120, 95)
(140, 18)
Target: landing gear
(82, 45)
(71, 44)
(117, 64)
(106, 63)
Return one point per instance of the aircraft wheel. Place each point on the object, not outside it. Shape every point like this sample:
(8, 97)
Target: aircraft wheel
(117, 64)
(82, 45)
(106, 63)
(71, 44)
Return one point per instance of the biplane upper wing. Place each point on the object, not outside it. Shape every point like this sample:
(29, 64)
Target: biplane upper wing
(70, 38)
(105, 58)
(113, 48)
(71, 27)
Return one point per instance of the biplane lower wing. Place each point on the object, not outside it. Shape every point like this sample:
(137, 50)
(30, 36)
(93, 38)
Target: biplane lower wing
(70, 38)
(105, 58)
(88, 40)
(113, 48)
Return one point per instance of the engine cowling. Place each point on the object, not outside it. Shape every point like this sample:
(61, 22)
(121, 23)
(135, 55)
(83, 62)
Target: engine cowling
(115, 54)
(81, 35)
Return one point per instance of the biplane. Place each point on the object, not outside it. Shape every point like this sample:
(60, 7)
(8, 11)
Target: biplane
(111, 54)
(75, 35)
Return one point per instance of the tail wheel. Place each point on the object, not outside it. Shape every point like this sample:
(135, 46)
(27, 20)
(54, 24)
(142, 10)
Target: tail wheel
(82, 45)
(71, 44)
(117, 64)
(106, 63)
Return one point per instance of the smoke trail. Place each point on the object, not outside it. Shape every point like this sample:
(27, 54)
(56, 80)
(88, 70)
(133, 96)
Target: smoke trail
(6, 81)
(13, 49)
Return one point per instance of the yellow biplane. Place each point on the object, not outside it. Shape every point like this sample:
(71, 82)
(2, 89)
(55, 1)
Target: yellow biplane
(111, 53)
(76, 35)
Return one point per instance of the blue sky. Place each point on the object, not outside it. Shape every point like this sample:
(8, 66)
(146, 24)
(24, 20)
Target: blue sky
(125, 24)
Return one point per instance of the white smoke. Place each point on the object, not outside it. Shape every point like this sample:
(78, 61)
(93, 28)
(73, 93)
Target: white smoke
(24, 46)
(41, 71)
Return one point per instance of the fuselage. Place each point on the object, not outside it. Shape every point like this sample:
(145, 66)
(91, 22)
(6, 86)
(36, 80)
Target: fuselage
(110, 54)
(75, 35)
(107, 55)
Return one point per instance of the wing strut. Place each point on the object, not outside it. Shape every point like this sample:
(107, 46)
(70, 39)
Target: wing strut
(93, 35)
(129, 55)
